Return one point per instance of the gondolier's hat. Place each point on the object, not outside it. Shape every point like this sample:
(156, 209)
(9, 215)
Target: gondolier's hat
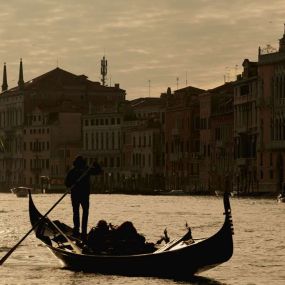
(79, 162)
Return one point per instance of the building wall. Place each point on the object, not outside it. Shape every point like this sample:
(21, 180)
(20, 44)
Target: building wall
(49, 144)
(246, 130)
(182, 140)
(11, 135)
(102, 141)
(205, 140)
(271, 151)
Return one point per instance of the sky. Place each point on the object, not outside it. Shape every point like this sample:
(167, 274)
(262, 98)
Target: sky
(149, 44)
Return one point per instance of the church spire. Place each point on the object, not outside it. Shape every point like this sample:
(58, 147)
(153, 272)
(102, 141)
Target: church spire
(21, 76)
(5, 83)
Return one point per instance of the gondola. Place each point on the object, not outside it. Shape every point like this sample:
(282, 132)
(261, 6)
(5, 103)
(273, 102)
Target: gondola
(22, 191)
(181, 258)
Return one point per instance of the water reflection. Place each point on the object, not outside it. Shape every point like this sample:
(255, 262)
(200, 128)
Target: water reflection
(199, 280)
(255, 223)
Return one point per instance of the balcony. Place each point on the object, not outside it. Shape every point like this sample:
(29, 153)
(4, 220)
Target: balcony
(219, 143)
(175, 156)
(241, 161)
(277, 145)
(241, 130)
(36, 169)
(175, 132)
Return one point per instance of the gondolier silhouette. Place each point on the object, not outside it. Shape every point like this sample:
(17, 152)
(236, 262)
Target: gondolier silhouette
(78, 179)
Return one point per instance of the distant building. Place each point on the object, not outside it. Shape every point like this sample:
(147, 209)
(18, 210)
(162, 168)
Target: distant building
(246, 129)
(271, 105)
(216, 159)
(102, 142)
(182, 139)
(222, 140)
(148, 141)
(40, 124)
(205, 100)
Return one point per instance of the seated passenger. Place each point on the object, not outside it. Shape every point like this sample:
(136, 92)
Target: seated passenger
(127, 240)
(124, 239)
(98, 239)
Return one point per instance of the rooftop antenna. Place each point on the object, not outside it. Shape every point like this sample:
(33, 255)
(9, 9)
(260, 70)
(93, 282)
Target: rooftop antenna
(104, 64)
(227, 74)
(177, 82)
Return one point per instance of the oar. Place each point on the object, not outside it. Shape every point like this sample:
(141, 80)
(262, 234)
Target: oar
(70, 242)
(5, 257)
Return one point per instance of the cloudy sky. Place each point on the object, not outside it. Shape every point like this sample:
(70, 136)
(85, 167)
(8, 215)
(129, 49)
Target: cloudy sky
(147, 42)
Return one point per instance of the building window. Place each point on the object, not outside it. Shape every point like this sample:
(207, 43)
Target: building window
(96, 141)
(118, 162)
(107, 141)
(113, 140)
(92, 141)
(102, 141)
(86, 141)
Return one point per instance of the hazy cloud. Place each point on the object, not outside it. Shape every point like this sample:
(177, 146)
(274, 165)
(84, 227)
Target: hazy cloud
(142, 39)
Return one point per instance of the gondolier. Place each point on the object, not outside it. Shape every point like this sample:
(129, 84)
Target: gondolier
(78, 179)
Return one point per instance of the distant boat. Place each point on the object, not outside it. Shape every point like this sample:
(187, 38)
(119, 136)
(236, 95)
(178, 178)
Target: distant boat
(281, 198)
(22, 191)
(219, 193)
(176, 192)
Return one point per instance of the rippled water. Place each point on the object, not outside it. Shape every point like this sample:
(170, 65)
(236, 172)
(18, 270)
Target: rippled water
(259, 240)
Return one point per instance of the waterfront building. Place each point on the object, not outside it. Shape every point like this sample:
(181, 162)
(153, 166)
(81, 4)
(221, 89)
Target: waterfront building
(52, 102)
(148, 141)
(222, 143)
(205, 140)
(102, 142)
(11, 134)
(216, 158)
(51, 140)
(271, 105)
(182, 139)
(246, 129)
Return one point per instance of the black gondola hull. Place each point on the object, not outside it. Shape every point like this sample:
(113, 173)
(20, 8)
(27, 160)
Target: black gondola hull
(182, 262)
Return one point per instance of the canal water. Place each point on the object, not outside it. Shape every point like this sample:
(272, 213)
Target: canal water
(259, 240)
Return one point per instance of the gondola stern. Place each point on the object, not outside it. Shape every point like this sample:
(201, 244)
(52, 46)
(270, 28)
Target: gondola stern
(35, 215)
(228, 212)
